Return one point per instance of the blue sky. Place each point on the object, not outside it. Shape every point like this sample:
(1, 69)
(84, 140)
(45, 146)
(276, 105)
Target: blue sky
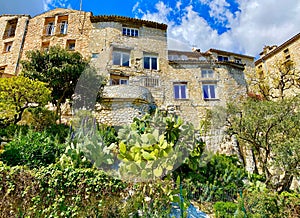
(242, 26)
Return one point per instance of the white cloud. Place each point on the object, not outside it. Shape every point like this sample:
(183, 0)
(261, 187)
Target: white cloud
(255, 24)
(48, 4)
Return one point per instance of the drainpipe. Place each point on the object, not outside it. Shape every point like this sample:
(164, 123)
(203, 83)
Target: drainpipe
(21, 46)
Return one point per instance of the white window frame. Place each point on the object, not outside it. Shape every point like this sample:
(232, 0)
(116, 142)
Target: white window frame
(209, 85)
(122, 56)
(63, 27)
(207, 73)
(50, 28)
(151, 58)
(182, 88)
(134, 32)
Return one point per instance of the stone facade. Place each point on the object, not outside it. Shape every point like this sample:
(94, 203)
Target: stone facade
(272, 55)
(12, 33)
(67, 28)
(133, 52)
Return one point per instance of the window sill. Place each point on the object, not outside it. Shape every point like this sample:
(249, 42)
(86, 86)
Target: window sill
(181, 99)
(211, 99)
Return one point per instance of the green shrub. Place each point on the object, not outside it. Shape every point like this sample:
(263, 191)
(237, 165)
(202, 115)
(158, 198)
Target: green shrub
(220, 179)
(7, 133)
(54, 191)
(35, 149)
(224, 209)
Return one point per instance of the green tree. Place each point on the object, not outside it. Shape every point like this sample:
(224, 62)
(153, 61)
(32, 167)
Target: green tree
(271, 132)
(20, 93)
(59, 68)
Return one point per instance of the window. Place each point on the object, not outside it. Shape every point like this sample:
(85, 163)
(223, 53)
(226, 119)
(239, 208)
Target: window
(45, 46)
(207, 73)
(50, 29)
(63, 27)
(121, 58)
(130, 32)
(209, 91)
(238, 60)
(222, 58)
(95, 55)
(287, 54)
(150, 62)
(119, 80)
(180, 90)
(10, 28)
(7, 46)
(2, 70)
(71, 45)
(150, 82)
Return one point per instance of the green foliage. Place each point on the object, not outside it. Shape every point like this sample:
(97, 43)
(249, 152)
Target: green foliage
(35, 149)
(271, 131)
(7, 133)
(19, 93)
(53, 191)
(58, 67)
(38, 118)
(219, 179)
(225, 209)
(88, 139)
(151, 147)
(268, 203)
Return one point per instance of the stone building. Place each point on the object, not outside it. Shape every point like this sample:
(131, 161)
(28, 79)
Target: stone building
(273, 56)
(67, 28)
(133, 55)
(12, 35)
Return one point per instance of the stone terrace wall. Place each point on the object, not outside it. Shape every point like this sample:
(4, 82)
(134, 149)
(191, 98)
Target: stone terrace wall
(121, 103)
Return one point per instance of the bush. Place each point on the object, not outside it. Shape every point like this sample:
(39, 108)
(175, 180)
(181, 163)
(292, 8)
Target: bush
(224, 209)
(220, 179)
(35, 149)
(53, 191)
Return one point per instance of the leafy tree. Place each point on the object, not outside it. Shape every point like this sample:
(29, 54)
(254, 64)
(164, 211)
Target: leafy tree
(18, 94)
(59, 68)
(278, 82)
(271, 132)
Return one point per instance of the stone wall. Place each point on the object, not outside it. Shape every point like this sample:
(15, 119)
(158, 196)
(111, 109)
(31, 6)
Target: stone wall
(39, 35)
(121, 103)
(11, 38)
(230, 85)
(267, 65)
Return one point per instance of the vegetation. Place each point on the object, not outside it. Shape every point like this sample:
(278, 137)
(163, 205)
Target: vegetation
(60, 69)
(279, 81)
(270, 130)
(18, 94)
(54, 170)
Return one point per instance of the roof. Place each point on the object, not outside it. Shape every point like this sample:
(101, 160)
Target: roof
(279, 48)
(59, 11)
(121, 19)
(188, 53)
(228, 53)
(15, 15)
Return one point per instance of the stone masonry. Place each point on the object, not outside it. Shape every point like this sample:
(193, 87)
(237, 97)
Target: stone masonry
(12, 33)
(133, 53)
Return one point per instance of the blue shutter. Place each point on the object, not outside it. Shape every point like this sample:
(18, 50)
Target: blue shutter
(212, 91)
(205, 91)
